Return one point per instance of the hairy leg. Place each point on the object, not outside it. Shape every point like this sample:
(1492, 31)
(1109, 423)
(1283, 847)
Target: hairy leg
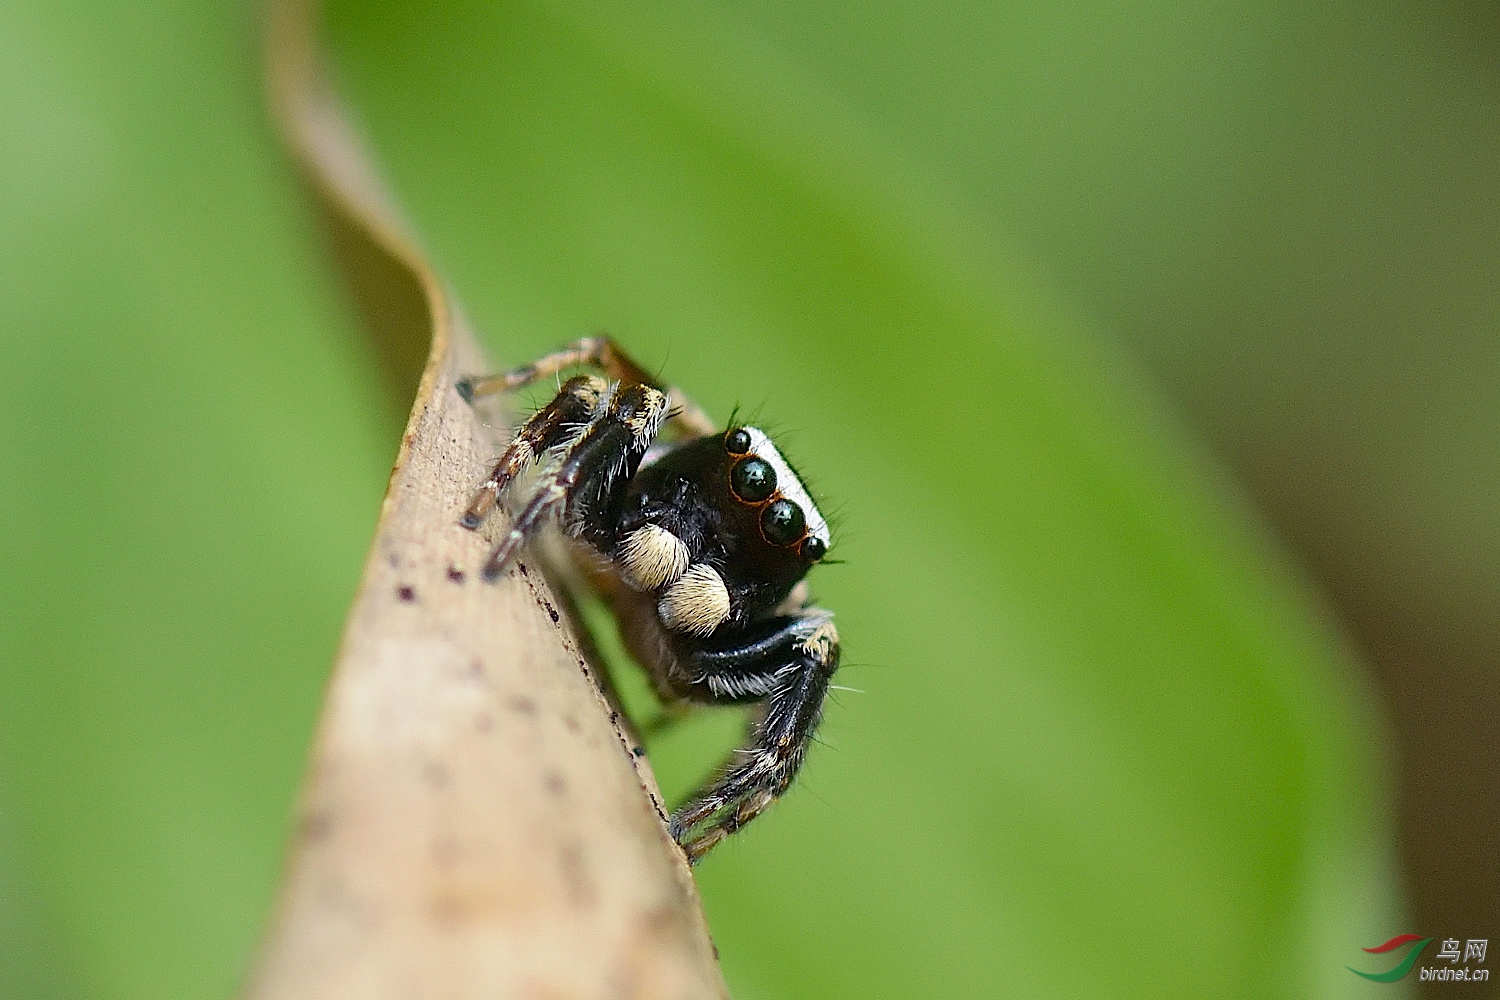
(685, 417)
(593, 352)
(567, 416)
(762, 770)
(596, 462)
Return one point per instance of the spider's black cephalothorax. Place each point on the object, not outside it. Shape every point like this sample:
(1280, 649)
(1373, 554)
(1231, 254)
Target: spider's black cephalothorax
(705, 542)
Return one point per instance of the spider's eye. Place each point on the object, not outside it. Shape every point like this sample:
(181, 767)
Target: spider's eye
(737, 441)
(782, 522)
(813, 549)
(752, 479)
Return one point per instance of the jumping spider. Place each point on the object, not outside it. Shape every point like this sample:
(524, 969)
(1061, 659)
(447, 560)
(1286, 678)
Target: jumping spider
(699, 545)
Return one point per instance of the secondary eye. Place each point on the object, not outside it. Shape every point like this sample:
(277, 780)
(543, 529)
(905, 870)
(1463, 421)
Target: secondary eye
(813, 549)
(752, 479)
(737, 441)
(782, 522)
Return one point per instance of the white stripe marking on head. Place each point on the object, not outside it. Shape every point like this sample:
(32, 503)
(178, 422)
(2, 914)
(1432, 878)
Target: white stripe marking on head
(788, 483)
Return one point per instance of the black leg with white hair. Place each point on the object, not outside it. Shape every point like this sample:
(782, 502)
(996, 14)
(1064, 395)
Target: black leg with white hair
(586, 481)
(789, 672)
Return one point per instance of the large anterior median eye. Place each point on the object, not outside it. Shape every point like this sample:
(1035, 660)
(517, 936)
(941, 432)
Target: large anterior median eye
(782, 522)
(752, 479)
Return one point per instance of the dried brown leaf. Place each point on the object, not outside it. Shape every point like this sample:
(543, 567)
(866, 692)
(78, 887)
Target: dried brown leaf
(474, 823)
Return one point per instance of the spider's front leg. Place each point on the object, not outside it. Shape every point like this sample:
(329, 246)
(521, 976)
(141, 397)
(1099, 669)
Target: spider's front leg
(593, 466)
(555, 425)
(686, 417)
(790, 669)
(590, 352)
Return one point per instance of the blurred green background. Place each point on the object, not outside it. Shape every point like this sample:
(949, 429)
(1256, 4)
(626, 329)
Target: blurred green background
(1147, 356)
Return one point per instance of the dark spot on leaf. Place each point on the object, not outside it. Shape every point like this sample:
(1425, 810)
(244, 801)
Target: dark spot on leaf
(581, 890)
(555, 783)
(524, 705)
(660, 810)
(455, 574)
(445, 851)
(316, 826)
(406, 594)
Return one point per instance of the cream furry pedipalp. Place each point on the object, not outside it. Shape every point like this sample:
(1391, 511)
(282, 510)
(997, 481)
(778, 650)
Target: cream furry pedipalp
(698, 602)
(653, 557)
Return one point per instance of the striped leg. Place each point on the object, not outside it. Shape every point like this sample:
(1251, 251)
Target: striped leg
(779, 738)
(686, 417)
(592, 352)
(599, 461)
(566, 417)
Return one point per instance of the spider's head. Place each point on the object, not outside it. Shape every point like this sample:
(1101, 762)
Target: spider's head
(724, 524)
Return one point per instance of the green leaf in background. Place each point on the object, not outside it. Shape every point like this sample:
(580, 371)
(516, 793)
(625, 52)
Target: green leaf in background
(1107, 745)
(194, 454)
(1097, 718)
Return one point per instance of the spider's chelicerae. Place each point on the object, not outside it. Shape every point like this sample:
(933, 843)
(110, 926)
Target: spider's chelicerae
(699, 544)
